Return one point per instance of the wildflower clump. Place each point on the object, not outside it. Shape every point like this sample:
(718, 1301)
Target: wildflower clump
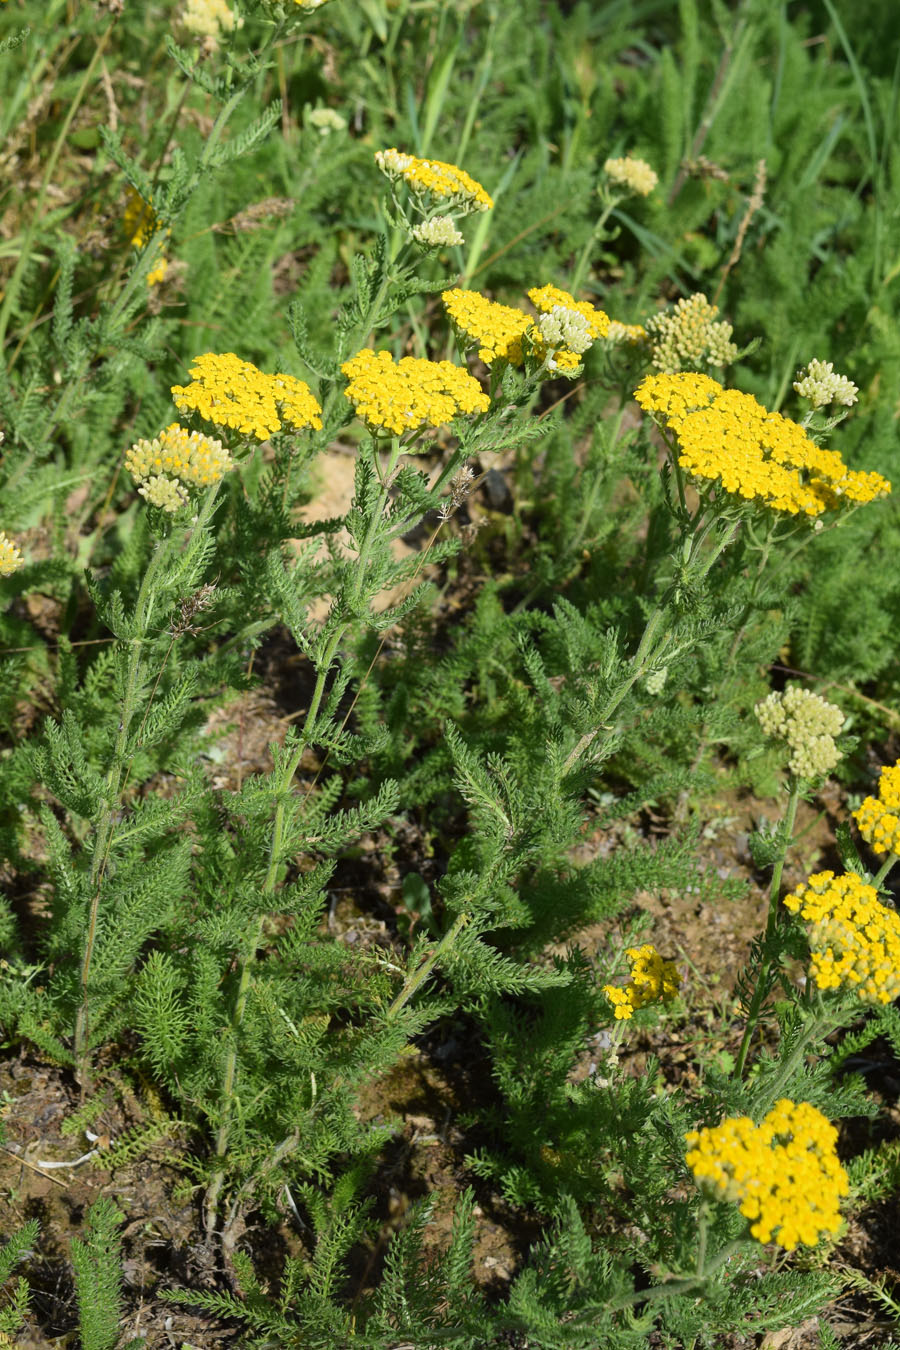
(633, 174)
(433, 178)
(409, 394)
(854, 939)
(818, 383)
(652, 978)
(174, 461)
(10, 555)
(725, 437)
(783, 1174)
(689, 336)
(808, 723)
(878, 818)
(565, 330)
(232, 393)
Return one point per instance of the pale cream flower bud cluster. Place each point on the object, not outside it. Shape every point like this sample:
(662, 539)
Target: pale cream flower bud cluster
(208, 18)
(819, 383)
(174, 461)
(688, 336)
(563, 327)
(326, 120)
(809, 724)
(633, 174)
(438, 231)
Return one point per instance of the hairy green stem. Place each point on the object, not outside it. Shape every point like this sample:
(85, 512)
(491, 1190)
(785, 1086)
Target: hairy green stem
(105, 826)
(282, 788)
(762, 974)
(422, 971)
(814, 1030)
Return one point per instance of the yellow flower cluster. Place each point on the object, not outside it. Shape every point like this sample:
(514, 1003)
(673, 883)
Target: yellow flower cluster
(175, 460)
(443, 181)
(232, 393)
(878, 819)
(503, 333)
(498, 329)
(140, 223)
(633, 174)
(854, 939)
(10, 557)
(651, 979)
(784, 1173)
(808, 723)
(687, 336)
(409, 394)
(726, 437)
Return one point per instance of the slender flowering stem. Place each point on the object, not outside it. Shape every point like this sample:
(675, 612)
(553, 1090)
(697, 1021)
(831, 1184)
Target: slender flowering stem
(282, 789)
(762, 974)
(117, 773)
(884, 869)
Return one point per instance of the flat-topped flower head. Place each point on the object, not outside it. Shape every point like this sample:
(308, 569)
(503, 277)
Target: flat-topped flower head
(209, 19)
(410, 394)
(635, 175)
(10, 555)
(688, 336)
(819, 383)
(437, 232)
(783, 1174)
(497, 330)
(726, 438)
(854, 939)
(233, 393)
(175, 461)
(808, 724)
(652, 979)
(878, 818)
(432, 177)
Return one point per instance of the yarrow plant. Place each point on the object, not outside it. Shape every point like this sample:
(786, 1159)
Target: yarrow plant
(727, 438)
(635, 175)
(820, 384)
(854, 939)
(783, 1174)
(878, 818)
(209, 19)
(175, 461)
(411, 394)
(652, 980)
(505, 335)
(808, 724)
(434, 189)
(689, 337)
(232, 393)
